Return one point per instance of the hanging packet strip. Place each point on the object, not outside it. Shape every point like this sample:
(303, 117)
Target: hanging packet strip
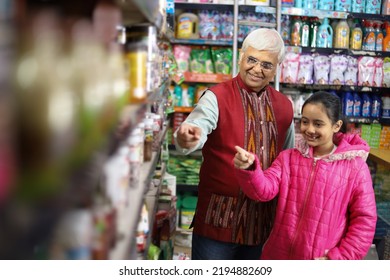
(290, 68)
(305, 72)
(338, 66)
(321, 69)
(350, 75)
(366, 71)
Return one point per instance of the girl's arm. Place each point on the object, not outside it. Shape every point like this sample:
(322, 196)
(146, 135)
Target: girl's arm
(362, 220)
(256, 184)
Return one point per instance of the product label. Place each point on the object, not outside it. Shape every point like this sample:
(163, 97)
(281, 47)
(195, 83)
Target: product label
(356, 108)
(349, 108)
(366, 109)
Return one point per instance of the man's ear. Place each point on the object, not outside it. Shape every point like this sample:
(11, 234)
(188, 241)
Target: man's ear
(240, 57)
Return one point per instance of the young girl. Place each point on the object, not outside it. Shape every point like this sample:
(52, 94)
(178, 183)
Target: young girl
(326, 204)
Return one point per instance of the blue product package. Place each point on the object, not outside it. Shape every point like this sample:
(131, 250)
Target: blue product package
(376, 107)
(366, 109)
(358, 6)
(357, 105)
(373, 7)
(348, 104)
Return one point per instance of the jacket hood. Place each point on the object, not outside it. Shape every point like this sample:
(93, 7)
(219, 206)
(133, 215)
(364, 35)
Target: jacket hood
(349, 146)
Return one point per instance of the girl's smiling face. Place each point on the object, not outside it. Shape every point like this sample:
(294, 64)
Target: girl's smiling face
(317, 128)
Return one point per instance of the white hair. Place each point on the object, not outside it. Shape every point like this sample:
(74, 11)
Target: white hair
(265, 39)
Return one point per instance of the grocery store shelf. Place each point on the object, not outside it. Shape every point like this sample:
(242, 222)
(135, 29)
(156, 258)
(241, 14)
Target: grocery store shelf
(151, 201)
(181, 109)
(206, 78)
(198, 6)
(258, 9)
(314, 13)
(372, 16)
(257, 23)
(128, 216)
(202, 42)
(327, 51)
(327, 87)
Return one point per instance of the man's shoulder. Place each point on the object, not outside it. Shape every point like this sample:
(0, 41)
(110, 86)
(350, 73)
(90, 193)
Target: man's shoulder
(222, 87)
(277, 94)
(274, 91)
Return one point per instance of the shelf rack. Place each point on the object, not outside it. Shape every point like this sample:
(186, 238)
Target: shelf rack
(127, 221)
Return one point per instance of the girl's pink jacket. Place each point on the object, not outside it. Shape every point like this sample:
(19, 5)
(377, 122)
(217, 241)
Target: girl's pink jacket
(325, 205)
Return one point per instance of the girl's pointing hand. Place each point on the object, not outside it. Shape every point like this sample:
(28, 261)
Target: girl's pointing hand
(243, 159)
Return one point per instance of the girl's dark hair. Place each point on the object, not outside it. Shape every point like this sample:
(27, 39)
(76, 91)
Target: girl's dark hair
(332, 104)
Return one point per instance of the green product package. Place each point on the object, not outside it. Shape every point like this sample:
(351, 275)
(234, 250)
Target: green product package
(188, 206)
(201, 62)
(222, 58)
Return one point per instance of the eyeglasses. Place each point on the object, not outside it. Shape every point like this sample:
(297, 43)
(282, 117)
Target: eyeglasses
(267, 66)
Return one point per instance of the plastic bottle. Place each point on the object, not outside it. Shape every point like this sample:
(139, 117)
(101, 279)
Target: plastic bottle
(342, 35)
(136, 58)
(296, 27)
(187, 26)
(348, 104)
(142, 230)
(305, 32)
(285, 29)
(148, 141)
(376, 107)
(386, 39)
(379, 36)
(366, 106)
(156, 132)
(357, 105)
(369, 38)
(325, 35)
(135, 143)
(333, 24)
(356, 39)
(314, 25)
